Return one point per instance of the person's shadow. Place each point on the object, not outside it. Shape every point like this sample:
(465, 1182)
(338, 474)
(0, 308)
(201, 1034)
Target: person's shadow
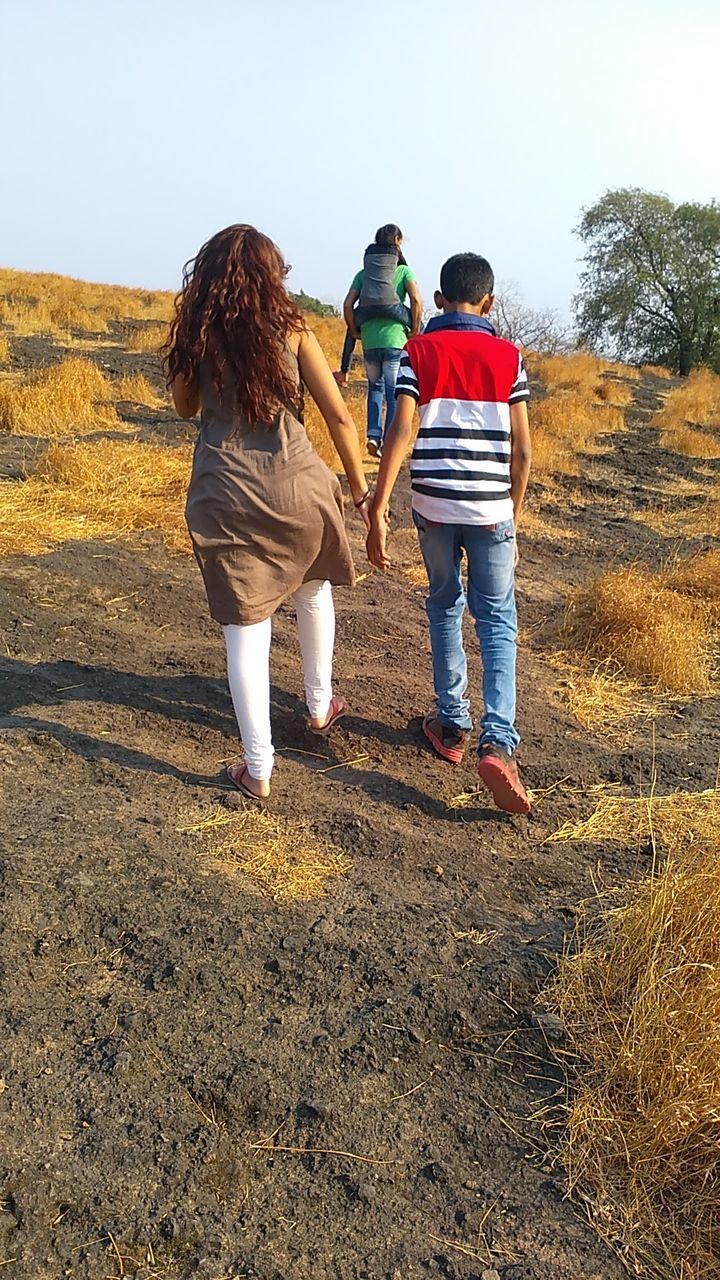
(203, 701)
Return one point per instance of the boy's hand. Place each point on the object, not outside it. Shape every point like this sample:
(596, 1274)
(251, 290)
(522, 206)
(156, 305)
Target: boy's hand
(377, 541)
(341, 378)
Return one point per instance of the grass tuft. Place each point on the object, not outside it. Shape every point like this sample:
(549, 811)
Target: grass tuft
(99, 489)
(639, 997)
(658, 628)
(69, 398)
(605, 702)
(136, 388)
(696, 401)
(566, 424)
(147, 338)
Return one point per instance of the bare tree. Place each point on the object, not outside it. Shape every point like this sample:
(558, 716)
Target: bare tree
(539, 330)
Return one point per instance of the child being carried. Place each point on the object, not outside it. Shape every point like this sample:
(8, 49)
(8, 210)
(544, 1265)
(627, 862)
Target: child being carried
(378, 295)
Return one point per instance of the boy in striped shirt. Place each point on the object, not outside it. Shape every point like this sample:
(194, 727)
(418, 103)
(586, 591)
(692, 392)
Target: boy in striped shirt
(469, 471)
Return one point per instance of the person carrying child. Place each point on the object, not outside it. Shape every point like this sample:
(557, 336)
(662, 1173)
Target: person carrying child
(469, 472)
(264, 512)
(375, 311)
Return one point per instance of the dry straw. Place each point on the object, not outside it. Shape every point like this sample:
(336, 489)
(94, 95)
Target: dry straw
(71, 397)
(658, 628)
(147, 338)
(136, 388)
(100, 489)
(696, 400)
(640, 999)
(603, 701)
(40, 302)
(282, 856)
(695, 403)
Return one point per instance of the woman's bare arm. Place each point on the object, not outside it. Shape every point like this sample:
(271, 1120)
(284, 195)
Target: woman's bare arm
(185, 397)
(320, 383)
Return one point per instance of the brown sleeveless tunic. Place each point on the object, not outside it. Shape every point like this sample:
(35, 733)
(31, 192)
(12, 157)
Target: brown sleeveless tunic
(264, 512)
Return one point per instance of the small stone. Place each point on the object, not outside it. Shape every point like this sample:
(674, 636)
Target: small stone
(551, 1025)
(491, 1274)
(232, 800)
(439, 871)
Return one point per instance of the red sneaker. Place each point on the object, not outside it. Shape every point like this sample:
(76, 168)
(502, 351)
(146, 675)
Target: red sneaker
(447, 742)
(500, 774)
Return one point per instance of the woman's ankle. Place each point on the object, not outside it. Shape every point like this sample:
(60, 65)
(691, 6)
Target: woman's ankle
(258, 786)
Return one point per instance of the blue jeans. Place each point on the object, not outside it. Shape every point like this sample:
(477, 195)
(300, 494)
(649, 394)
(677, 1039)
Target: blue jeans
(491, 599)
(381, 371)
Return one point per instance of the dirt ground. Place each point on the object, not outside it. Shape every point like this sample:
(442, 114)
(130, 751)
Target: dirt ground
(162, 1018)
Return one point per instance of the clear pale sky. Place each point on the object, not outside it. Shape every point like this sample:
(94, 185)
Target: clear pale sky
(134, 129)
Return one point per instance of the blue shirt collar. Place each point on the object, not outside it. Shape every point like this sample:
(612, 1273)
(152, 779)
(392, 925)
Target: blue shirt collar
(460, 320)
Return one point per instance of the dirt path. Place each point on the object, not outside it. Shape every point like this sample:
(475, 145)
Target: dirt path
(163, 1018)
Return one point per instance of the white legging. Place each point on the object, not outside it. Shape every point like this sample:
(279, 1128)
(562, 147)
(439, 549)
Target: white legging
(248, 665)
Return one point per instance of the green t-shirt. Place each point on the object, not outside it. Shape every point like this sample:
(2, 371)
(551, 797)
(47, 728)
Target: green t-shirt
(386, 333)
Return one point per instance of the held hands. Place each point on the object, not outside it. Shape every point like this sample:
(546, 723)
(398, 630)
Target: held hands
(377, 539)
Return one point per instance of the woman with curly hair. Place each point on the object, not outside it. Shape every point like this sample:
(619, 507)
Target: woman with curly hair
(264, 512)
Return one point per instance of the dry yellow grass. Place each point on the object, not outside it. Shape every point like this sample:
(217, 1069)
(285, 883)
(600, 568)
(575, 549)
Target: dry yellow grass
(4, 348)
(656, 371)
(640, 999)
(695, 401)
(566, 424)
(100, 489)
(147, 338)
(69, 398)
(606, 703)
(135, 388)
(535, 526)
(330, 333)
(692, 443)
(579, 372)
(613, 391)
(42, 302)
(416, 575)
(284, 858)
(697, 515)
(656, 627)
(552, 456)
(697, 576)
(58, 318)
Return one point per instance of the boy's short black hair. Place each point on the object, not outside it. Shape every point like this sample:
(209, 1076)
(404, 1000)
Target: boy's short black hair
(466, 277)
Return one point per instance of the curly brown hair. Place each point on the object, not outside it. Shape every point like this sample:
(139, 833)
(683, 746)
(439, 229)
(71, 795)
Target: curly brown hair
(234, 314)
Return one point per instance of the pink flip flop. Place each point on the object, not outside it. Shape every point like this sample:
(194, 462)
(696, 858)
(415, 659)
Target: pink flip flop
(237, 781)
(338, 709)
